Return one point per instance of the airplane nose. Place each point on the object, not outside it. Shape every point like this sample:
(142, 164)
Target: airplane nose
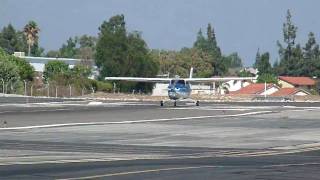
(171, 90)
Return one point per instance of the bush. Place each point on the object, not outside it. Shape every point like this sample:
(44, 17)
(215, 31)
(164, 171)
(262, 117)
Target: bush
(100, 86)
(104, 86)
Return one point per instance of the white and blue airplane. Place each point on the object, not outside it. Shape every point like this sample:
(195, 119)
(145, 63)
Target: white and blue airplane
(180, 88)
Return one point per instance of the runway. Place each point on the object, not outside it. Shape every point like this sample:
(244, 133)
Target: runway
(141, 140)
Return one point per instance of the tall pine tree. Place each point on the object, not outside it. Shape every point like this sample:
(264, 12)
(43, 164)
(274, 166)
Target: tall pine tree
(290, 53)
(257, 60)
(209, 45)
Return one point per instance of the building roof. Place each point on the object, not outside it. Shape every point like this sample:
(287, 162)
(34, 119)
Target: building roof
(301, 81)
(253, 89)
(285, 92)
(288, 92)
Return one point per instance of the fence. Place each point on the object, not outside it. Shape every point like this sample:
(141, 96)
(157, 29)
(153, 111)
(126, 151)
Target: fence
(47, 90)
(273, 98)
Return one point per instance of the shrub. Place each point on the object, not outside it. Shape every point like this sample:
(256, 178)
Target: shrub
(104, 86)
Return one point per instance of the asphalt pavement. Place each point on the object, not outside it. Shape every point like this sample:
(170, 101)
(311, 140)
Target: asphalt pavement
(141, 140)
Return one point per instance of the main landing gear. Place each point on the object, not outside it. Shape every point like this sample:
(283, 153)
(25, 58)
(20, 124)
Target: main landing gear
(197, 103)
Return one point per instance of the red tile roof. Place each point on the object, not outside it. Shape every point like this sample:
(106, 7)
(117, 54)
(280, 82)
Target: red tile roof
(301, 81)
(252, 89)
(287, 92)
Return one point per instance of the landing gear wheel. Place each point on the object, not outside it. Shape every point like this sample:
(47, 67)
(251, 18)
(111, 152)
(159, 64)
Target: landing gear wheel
(175, 103)
(161, 103)
(197, 103)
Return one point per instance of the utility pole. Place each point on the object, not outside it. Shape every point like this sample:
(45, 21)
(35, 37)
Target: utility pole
(265, 90)
(92, 91)
(70, 90)
(25, 87)
(48, 91)
(31, 90)
(2, 86)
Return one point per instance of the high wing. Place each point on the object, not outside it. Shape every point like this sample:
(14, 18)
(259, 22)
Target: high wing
(167, 80)
(220, 79)
(138, 79)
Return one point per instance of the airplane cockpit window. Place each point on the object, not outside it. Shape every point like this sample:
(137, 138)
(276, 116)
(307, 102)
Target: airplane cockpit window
(177, 82)
(180, 82)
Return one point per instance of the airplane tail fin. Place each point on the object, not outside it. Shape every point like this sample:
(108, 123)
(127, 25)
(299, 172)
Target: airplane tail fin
(191, 72)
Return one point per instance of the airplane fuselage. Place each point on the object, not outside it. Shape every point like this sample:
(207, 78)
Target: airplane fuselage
(179, 89)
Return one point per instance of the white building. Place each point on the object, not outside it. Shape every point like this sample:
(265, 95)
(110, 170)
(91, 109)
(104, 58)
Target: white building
(39, 63)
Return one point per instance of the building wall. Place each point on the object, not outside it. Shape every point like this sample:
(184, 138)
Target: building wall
(202, 89)
(236, 85)
(300, 93)
(284, 84)
(270, 91)
(160, 89)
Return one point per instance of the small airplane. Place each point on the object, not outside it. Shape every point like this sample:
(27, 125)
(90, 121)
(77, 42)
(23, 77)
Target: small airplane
(179, 88)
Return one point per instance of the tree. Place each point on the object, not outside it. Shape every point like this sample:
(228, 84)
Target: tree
(9, 71)
(268, 78)
(200, 42)
(87, 41)
(24, 69)
(212, 42)
(31, 31)
(232, 61)
(13, 70)
(56, 71)
(264, 66)
(180, 62)
(257, 60)
(311, 57)
(69, 50)
(119, 53)
(265, 71)
(289, 33)
(290, 52)
(12, 40)
(80, 71)
(8, 39)
(52, 53)
(245, 73)
(209, 46)
(87, 49)
(36, 50)
(79, 47)
(112, 47)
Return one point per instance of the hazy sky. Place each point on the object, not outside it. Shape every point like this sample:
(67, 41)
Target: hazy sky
(241, 26)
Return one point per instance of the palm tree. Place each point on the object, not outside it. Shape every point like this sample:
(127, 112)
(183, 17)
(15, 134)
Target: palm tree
(223, 86)
(31, 31)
